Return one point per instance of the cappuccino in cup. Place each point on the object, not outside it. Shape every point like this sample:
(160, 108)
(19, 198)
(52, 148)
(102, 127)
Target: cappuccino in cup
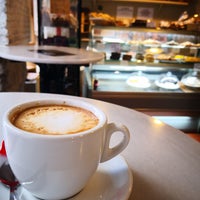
(54, 146)
(55, 119)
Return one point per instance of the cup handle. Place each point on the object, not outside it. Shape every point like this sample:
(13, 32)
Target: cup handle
(108, 152)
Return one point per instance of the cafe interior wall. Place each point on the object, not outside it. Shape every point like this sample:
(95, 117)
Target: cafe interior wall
(15, 22)
(15, 29)
(169, 12)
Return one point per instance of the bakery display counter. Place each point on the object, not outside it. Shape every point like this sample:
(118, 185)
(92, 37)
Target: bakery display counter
(146, 68)
(159, 90)
(149, 87)
(153, 70)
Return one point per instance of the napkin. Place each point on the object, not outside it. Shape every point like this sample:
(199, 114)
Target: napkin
(3, 157)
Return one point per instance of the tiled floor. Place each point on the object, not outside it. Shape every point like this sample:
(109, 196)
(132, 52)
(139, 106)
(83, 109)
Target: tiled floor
(195, 136)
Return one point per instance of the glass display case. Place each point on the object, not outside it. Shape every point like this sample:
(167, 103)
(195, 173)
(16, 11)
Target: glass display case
(146, 69)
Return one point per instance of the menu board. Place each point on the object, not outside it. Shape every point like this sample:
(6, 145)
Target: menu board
(172, 1)
(176, 2)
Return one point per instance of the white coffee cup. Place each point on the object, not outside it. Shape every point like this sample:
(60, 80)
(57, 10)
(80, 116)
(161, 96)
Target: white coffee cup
(59, 166)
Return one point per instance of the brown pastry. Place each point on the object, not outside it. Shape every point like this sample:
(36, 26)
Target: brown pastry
(115, 56)
(127, 57)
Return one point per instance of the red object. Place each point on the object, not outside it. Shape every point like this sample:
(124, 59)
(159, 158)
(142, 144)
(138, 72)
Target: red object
(95, 84)
(3, 149)
(58, 31)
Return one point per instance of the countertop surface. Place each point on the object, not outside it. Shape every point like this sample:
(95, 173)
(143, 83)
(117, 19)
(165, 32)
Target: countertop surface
(165, 163)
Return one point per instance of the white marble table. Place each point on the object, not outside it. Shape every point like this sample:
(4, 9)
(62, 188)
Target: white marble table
(165, 163)
(53, 61)
(30, 53)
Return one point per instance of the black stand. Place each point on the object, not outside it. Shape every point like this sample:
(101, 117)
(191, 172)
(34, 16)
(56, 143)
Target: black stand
(60, 79)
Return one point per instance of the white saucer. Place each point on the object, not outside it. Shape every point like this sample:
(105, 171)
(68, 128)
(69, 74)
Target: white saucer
(113, 180)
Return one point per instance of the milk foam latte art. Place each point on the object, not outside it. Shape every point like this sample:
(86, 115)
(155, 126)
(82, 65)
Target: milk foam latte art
(55, 119)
